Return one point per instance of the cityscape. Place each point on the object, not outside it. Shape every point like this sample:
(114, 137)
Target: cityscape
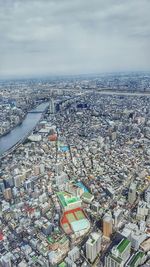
(74, 133)
(75, 184)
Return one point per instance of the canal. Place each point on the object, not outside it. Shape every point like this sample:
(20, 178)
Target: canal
(21, 131)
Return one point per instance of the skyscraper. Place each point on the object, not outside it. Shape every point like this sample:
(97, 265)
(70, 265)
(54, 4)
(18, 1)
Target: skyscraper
(52, 106)
(93, 246)
(147, 195)
(132, 193)
(107, 225)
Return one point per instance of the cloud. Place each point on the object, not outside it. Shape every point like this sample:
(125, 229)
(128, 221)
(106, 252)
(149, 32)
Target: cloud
(55, 36)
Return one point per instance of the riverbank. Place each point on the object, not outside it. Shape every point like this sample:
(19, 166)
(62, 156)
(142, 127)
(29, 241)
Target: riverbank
(21, 132)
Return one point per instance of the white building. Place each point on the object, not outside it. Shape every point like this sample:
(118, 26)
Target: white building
(142, 210)
(147, 195)
(93, 246)
(132, 193)
(119, 254)
(74, 254)
(52, 106)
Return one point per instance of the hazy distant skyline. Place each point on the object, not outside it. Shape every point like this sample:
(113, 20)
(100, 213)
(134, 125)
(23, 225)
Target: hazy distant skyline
(50, 37)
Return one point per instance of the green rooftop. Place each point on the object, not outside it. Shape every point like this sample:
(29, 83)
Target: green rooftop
(50, 240)
(66, 199)
(63, 264)
(122, 245)
(87, 195)
(135, 258)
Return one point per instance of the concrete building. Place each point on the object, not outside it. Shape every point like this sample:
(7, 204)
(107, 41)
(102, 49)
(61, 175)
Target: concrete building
(117, 217)
(136, 260)
(58, 168)
(93, 246)
(147, 195)
(142, 210)
(132, 193)
(51, 106)
(6, 260)
(74, 254)
(107, 225)
(119, 254)
(7, 194)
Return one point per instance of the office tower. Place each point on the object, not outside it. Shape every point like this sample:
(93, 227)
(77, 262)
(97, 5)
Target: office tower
(132, 193)
(74, 254)
(7, 193)
(17, 181)
(93, 246)
(2, 186)
(107, 225)
(142, 210)
(58, 168)
(117, 216)
(147, 195)
(52, 106)
(61, 180)
(119, 254)
(137, 259)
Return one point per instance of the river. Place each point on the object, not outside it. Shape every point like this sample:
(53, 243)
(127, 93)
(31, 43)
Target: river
(21, 131)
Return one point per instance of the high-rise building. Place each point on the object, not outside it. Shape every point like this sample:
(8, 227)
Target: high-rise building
(147, 195)
(2, 186)
(52, 106)
(7, 193)
(74, 254)
(61, 180)
(58, 168)
(107, 225)
(93, 246)
(119, 254)
(17, 181)
(117, 216)
(136, 260)
(132, 193)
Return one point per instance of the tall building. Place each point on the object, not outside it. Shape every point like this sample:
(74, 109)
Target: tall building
(136, 260)
(74, 254)
(119, 254)
(132, 193)
(147, 195)
(93, 246)
(52, 106)
(17, 181)
(117, 216)
(107, 225)
(61, 180)
(7, 194)
(58, 168)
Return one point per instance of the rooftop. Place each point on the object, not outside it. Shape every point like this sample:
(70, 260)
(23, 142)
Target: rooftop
(135, 258)
(66, 199)
(122, 245)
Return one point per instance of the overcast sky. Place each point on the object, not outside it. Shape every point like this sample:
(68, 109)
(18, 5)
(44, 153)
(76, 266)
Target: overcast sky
(40, 37)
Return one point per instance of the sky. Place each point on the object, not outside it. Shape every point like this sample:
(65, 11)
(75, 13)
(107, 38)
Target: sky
(50, 37)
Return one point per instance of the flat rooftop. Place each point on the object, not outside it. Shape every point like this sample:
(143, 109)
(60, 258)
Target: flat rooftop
(122, 245)
(66, 198)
